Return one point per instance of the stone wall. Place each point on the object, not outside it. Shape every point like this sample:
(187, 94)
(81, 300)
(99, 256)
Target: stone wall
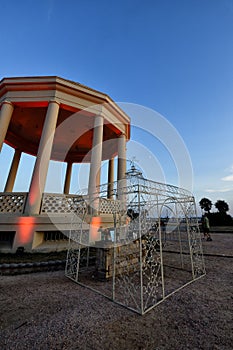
(126, 257)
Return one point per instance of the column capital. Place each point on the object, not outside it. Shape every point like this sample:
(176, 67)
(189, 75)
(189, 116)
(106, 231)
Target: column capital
(123, 134)
(97, 109)
(99, 115)
(7, 102)
(54, 101)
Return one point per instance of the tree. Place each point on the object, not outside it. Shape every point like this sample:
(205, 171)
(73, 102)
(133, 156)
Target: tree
(222, 206)
(205, 204)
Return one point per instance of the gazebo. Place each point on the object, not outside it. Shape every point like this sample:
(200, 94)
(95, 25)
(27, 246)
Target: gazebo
(52, 118)
(149, 248)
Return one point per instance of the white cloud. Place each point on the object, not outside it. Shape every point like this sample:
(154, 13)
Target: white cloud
(227, 178)
(222, 190)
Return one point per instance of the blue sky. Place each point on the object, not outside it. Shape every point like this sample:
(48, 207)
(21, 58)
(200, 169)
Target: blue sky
(172, 56)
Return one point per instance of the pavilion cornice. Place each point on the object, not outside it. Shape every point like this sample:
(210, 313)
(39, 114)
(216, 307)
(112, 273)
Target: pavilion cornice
(71, 95)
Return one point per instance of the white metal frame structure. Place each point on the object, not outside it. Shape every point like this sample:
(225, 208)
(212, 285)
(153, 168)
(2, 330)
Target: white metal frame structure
(155, 247)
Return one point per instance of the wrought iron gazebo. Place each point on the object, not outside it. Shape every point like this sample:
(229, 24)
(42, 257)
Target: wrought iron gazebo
(137, 247)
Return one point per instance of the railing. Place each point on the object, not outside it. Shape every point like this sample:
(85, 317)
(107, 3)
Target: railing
(60, 203)
(109, 206)
(12, 203)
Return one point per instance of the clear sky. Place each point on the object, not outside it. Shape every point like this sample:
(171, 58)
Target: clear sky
(172, 56)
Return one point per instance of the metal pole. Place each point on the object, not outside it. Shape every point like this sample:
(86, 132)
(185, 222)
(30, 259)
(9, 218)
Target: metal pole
(180, 244)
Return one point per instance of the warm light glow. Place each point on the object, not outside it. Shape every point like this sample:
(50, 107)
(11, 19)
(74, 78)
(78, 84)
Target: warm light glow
(26, 230)
(33, 193)
(94, 227)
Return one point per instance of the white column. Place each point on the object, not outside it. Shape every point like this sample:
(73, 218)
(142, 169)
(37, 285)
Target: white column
(13, 171)
(96, 155)
(68, 178)
(5, 117)
(121, 169)
(42, 160)
(121, 166)
(110, 177)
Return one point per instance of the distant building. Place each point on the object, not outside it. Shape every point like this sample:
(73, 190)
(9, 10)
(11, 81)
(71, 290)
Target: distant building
(54, 119)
